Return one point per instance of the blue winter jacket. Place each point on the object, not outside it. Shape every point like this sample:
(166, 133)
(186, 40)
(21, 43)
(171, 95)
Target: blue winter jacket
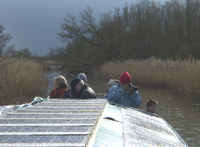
(117, 95)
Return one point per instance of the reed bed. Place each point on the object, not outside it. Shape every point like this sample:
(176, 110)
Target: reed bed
(181, 75)
(20, 79)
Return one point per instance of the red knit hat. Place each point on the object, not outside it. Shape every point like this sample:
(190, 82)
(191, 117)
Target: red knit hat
(125, 78)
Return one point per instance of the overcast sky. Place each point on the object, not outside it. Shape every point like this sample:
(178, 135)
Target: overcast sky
(34, 24)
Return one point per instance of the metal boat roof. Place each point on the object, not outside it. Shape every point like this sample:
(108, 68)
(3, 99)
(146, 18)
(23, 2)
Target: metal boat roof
(91, 122)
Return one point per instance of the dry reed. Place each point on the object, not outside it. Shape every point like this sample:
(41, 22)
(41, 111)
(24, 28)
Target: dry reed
(20, 78)
(180, 75)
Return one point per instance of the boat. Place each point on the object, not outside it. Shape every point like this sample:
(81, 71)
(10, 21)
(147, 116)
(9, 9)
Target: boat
(80, 123)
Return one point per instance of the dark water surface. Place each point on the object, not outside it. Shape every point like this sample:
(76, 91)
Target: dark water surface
(182, 113)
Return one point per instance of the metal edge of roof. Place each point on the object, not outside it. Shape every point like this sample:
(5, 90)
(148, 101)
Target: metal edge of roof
(96, 128)
(113, 112)
(180, 138)
(110, 131)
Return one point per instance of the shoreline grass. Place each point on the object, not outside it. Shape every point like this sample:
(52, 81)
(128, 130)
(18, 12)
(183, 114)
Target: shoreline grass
(181, 76)
(20, 79)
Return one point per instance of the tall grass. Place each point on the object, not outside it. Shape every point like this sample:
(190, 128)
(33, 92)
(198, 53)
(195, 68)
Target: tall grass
(20, 79)
(180, 75)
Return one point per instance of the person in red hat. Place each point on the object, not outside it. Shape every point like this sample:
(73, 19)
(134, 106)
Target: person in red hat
(124, 94)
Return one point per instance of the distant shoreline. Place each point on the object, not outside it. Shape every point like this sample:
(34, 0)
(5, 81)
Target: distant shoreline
(180, 76)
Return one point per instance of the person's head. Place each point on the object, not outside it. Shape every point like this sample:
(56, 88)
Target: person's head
(76, 84)
(60, 82)
(82, 76)
(112, 82)
(151, 105)
(125, 78)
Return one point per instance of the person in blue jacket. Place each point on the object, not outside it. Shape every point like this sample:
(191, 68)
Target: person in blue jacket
(124, 94)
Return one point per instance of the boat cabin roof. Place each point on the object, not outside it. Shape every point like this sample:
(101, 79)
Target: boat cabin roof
(91, 122)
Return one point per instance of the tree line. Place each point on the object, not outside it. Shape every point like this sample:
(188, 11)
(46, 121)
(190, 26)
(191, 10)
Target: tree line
(139, 31)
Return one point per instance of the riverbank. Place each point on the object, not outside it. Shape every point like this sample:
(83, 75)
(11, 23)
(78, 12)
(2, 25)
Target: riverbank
(180, 76)
(26, 77)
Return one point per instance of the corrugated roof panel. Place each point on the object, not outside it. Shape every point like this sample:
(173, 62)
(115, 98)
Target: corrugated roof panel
(52, 123)
(141, 129)
(69, 122)
(7, 121)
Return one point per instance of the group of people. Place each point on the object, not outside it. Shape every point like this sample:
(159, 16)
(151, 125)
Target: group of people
(121, 91)
(79, 88)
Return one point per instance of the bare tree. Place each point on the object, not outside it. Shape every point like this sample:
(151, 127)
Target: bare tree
(140, 31)
(101, 36)
(4, 42)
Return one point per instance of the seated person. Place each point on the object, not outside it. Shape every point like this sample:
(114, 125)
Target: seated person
(83, 90)
(124, 94)
(60, 88)
(151, 106)
(112, 82)
(83, 77)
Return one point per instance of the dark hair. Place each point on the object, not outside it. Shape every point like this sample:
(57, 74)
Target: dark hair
(151, 102)
(74, 82)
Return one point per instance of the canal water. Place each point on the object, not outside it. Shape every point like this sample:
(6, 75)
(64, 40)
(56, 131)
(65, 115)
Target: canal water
(182, 113)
